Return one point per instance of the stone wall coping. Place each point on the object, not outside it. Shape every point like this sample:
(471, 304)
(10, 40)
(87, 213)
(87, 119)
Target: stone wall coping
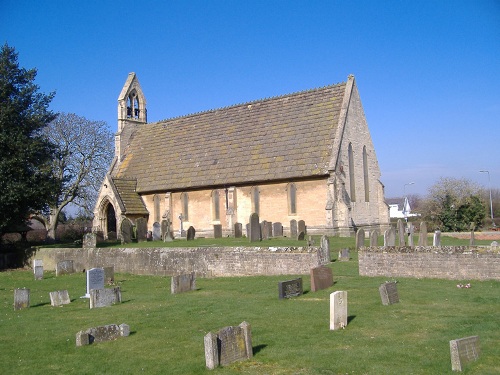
(239, 249)
(432, 249)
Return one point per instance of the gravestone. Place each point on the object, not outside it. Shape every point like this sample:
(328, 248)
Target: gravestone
(344, 255)
(411, 229)
(230, 344)
(268, 228)
(156, 231)
(238, 230)
(321, 278)
(102, 333)
(183, 283)
(301, 236)
(95, 280)
(21, 299)
(472, 241)
(401, 232)
(360, 238)
(142, 229)
(109, 275)
(301, 227)
(293, 228)
(374, 238)
(190, 233)
(166, 231)
(105, 297)
(324, 253)
(126, 231)
(247, 228)
(65, 267)
(338, 310)
(390, 237)
(422, 236)
(389, 293)
(59, 298)
(89, 240)
(254, 228)
(437, 238)
(38, 269)
(290, 288)
(217, 231)
(263, 230)
(149, 236)
(463, 351)
(277, 229)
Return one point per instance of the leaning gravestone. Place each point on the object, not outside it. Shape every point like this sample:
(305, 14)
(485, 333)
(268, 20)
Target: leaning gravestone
(422, 236)
(142, 229)
(59, 298)
(254, 228)
(109, 275)
(401, 232)
(464, 350)
(89, 240)
(65, 267)
(437, 238)
(183, 283)
(156, 231)
(238, 230)
(102, 333)
(95, 280)
(374, 238)
(105, 297)
(38, 269)
(230, 344)
(217, 231)
(338, 310)
(390, 237)
(290, 288)
(190, 233)
(293, 228)
(389, 293)
(126, 231)
(277, 229)
(321, 278)
(21, 299)
(360, 238)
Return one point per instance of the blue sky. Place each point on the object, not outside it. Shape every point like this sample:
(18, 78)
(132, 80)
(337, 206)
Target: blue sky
(428, 72)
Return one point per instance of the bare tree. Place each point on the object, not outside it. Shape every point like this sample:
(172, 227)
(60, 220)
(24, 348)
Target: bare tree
(85, 151)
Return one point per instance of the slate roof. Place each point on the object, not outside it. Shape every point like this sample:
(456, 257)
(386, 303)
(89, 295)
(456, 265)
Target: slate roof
(126, 189)
(282, 138)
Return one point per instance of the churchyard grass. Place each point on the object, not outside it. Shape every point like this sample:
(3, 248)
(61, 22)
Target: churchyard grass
(289, 336)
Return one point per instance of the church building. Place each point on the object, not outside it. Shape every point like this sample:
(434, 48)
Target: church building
(301, 156)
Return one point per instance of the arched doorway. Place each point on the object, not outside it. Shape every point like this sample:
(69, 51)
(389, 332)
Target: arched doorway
(110, 218)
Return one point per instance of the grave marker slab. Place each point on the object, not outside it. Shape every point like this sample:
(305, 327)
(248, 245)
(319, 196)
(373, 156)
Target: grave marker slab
(217, 231)
(389, 293)
(290, 288)
(156, 231)
(89, 240)
(344, 255)
(411, 229)
(166, 231)
(254, 228)
(102, 333)
(301, 227)
(65, 267)
(191, 232)
(277, 229)
(360, 238)
(238, 230)
(293, 228)
(390, 237)
(437, 238)
(338, 310)
(422, 236)
(142, 229)
(401, 232)
(21, 299)
(321, 278)
(59, 298)
(463, 351)
(38, 273)
(126, 231)
(374, 238)
(268, 228)
(105, 297)
(95, 280)
(183, 283)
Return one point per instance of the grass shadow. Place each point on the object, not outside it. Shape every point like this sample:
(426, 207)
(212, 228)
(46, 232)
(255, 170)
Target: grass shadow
(350, 318)
(258, 348)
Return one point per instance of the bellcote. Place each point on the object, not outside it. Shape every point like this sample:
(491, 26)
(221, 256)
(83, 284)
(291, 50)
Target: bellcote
(131, 103)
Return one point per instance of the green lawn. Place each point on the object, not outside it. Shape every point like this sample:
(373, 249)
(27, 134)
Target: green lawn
(289, 336)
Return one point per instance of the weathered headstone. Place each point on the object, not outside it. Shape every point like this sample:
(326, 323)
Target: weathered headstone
(437, 238)
(238, 230)
(166, 231)
(374, 238)
(290, 288)
(59, 298)
(183, 283)
(321, 278)
(217, 231)
(191, 232)
(301, 236)
(156, 231)
(254, 228)
(301, 227)
(411, 229)
(109, 275)
(360, 238)
(389, 293)
(338, 310)
(277, 229)
(105, 297)
(422, 236)
(263, 230)
(21, 299)
(390, 237)
(464, 350)
(126, 231)
(344, 255)
(102, 333)
(324, 253)
(142, 229)
(89, 240)
(38, 269)
(95, 280)
(401, 232)
(65, 267)
(231, 344)
(293, 228)
(268, 228)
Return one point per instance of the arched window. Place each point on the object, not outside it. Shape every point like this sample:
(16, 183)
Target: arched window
(292, 199)
(185, 206)
(215, 205)
(255, 200)
(365, 175)
(351, 173)
(156, 201)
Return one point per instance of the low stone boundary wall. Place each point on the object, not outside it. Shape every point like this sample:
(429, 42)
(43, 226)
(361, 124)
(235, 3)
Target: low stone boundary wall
(204, 261)
(445, 262)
